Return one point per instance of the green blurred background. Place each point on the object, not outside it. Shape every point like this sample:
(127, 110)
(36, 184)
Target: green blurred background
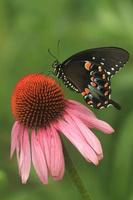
(27, 30)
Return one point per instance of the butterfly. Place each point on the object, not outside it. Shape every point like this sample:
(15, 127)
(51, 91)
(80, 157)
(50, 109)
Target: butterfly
(89, 72)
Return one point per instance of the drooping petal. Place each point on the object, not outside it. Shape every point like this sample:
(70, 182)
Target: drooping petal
(103, 126)
(18, 151)
(56, 155)
(98, 124)
(91, 120)
(72, 132)
(38, 159)
(25, 155)
(44, 140)
(53, 151)
(14, 137)
(88, 135)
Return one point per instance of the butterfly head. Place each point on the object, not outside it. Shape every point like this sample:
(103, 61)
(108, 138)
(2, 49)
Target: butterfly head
(56, 68)
(55, 64)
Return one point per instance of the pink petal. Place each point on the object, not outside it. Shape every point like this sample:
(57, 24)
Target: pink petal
(38, 159)
(14, 137)
(103, 126)
(88, 135)
(44, 140)
(74, 105)
(25, 158)
(18, 151)
(56, 155)
(53, 151)
(92, 121)
(72, 132)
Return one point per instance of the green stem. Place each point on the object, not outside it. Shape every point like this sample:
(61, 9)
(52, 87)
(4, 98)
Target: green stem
(75, 176)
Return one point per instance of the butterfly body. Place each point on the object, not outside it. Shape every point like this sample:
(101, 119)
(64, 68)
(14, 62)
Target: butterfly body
(89, 72)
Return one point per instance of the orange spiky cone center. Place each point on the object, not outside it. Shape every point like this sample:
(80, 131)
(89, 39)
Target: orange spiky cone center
(37, 101)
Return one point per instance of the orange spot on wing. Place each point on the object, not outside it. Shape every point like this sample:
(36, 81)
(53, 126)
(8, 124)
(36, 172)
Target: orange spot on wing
(92, 78)
(89, 102)
(106, 85)
(87, 65)
(87, 90)
(106, 93)
(93, 84)
(99, 104)
(83, 93)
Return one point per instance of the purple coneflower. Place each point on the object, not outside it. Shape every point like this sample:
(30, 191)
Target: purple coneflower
(42, 114)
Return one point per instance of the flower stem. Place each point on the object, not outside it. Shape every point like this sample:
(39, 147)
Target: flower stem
(75, 176)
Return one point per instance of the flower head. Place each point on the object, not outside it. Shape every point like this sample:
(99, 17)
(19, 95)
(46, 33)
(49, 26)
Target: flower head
(37, 101)
(42, 114)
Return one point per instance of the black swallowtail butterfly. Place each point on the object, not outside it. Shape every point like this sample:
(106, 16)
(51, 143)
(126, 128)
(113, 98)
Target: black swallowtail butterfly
(89, 72)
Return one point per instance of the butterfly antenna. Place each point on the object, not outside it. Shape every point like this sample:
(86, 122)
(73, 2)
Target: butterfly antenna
(51, 54)
(58, 48)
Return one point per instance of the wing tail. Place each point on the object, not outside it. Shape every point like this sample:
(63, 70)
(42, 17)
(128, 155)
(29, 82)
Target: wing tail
(115, 104)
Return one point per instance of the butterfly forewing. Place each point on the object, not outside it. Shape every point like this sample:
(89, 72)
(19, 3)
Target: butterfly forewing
(112, 58)
(77, 75)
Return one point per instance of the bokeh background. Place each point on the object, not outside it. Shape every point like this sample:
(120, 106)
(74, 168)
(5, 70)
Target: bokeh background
(27, 30)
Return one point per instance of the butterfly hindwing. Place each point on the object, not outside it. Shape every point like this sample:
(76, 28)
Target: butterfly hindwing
(98, 92)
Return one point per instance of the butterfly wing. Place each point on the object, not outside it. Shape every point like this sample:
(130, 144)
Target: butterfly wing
(76, 76)
(112, 58)
(91, 81)
(89, 73)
